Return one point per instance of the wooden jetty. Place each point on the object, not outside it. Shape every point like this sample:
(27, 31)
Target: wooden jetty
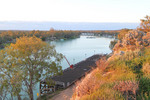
(70, 76)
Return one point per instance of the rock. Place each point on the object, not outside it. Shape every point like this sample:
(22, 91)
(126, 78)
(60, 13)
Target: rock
(122, 52)
(133, 40)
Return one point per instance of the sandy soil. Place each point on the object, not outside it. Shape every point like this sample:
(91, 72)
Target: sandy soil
(65, 94)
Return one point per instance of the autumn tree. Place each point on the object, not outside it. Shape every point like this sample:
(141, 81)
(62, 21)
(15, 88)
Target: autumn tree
(26, 63)
(145, 24)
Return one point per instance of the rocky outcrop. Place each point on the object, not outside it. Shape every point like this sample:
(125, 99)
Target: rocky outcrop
(133, 40)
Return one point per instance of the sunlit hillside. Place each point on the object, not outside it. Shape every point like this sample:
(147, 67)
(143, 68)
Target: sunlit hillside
(124, 74)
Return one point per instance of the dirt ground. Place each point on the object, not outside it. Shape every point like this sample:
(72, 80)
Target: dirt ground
(65, 94)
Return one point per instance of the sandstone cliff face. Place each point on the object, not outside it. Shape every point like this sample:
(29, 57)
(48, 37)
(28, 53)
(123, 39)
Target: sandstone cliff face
(133, 40)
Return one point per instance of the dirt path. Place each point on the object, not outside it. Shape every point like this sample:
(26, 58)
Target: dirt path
(65, 94)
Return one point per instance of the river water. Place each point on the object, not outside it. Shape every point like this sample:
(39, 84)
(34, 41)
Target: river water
(76, 50)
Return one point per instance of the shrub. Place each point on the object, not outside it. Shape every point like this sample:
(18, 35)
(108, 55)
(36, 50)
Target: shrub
(105, 92)
(102, 64)
(146, 68)
(144, 86)
(143, 97)
(127, 88)
(112, 44)
(87, 85)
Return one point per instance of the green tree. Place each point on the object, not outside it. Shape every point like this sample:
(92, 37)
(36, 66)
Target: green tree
(112, 44)
(10, 81)
(27, 62)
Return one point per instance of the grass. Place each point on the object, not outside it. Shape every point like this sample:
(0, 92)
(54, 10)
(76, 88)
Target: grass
(105, 92)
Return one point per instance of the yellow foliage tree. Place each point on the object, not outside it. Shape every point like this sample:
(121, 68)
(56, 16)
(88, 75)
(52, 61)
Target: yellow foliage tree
(29, 60)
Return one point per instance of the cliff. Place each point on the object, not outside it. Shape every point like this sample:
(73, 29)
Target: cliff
(125, 75)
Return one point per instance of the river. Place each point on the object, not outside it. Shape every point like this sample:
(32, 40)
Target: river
(76, 50)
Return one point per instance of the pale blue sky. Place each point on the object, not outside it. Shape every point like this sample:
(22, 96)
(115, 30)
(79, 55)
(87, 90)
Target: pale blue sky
(74, 10)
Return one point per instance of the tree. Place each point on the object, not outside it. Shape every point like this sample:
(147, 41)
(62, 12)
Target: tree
(10, 81)
(112, 44)
(29, 60)
(145, 24)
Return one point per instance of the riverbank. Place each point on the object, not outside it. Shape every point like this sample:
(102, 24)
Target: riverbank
(8, 36)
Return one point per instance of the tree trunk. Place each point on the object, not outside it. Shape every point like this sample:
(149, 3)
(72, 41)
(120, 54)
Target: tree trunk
(11, 96)
(31, 93)
(30, 85)
(19, 97)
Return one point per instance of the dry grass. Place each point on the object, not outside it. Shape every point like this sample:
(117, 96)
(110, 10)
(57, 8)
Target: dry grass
(105, 92)
(127, 88)
(146, 68)
(90, 83)
(87, 85)
(102, 64)
(92, 86)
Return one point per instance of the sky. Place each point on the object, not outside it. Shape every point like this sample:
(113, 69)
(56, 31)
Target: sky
(130, 11)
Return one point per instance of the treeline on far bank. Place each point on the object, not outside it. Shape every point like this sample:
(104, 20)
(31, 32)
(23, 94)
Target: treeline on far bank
(9, 36)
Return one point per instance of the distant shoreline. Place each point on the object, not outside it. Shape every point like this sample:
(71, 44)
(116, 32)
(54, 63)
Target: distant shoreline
(45, 26)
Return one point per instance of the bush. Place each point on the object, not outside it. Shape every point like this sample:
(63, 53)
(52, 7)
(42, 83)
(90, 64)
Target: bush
(144, 86)
(87, 85)
(112, 44)
(146, 69)
(127, 88)
(143, 97)
(105, 92)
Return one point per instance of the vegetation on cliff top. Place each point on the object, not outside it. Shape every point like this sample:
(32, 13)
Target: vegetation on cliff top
(125, 75)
